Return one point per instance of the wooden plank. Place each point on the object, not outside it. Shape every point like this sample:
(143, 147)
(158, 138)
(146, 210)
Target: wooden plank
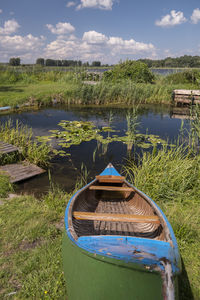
(186, 101)
(187, 92)
(111, 188)
(6, 148)
(21, 171)
(107, 217)
(110, 178)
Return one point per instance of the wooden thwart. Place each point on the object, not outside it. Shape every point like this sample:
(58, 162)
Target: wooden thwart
(106, 217)
(110, 178)
(21, 171)
(111, 188)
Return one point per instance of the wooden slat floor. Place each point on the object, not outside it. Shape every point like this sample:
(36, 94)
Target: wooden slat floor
(6, 148)
(123, 228)
(21, 171)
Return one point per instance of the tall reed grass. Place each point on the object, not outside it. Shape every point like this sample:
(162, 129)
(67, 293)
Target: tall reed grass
(22, 137)
(70, 88)
(171, 177)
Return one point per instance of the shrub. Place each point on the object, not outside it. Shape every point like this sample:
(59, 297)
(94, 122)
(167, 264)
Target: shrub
(190, 76)
(136, 71)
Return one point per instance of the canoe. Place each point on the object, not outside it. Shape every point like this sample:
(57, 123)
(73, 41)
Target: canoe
(118, 244)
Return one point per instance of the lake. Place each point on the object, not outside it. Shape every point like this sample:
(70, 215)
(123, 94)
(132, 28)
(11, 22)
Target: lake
(155, 120)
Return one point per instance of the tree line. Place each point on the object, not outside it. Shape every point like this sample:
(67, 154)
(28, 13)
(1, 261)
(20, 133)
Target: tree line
(186, 61)
(16, 61)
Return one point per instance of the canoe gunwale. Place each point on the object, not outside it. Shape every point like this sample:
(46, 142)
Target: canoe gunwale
(163, 221)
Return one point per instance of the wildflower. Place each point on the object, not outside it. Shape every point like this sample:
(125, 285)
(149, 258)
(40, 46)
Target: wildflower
(45, 292)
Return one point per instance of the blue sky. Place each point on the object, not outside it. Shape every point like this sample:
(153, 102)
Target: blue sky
(105, 30)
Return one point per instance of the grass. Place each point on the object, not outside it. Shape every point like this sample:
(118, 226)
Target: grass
(31, 229)
(171, 177)
(41, 88)
(30, 248)
(22, 137)
(5, 186)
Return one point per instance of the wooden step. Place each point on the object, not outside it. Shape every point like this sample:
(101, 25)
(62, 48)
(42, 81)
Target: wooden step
(110, 178)
(111, 188)
(107, 217)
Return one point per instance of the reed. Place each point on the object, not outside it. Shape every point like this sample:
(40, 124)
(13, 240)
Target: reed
(171, 177)
(22, 137)
(18, 87)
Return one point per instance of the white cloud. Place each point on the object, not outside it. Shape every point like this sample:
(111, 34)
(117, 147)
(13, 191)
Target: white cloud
(97, 46)
(118, 45)
(23, 46)
(172, 19)
(93, 37)
(61, 28)
(10, 26)
(70, 4)
(100, 4)
(1, 11)
(195, 17)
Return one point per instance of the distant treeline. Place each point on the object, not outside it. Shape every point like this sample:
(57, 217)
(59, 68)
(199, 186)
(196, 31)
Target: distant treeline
(185, 61)
(16, 61)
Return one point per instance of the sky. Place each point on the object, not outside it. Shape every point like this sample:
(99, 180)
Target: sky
(98, 30)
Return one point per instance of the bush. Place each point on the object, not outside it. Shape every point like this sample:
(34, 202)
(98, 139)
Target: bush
(136, 71)
(190, 76)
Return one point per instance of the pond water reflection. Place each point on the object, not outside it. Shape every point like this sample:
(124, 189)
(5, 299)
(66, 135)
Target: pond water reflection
(64, 170)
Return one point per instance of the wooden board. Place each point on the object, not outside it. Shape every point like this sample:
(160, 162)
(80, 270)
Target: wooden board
(6, 148)
(110, 188)
(107, 217)
(110, 178)
(187, 92)
(21, 171)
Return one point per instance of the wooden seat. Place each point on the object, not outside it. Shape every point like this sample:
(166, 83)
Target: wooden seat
(107, 217)
(110, 178)
(111, 188)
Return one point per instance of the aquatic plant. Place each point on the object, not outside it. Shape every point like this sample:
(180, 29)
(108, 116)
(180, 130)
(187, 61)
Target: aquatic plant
(22, 137)
(171, 177)
(76, 132)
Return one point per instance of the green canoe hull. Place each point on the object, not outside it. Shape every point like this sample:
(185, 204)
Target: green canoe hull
(89, 276)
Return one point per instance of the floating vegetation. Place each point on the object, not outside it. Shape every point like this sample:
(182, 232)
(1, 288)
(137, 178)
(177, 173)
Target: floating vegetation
(76, 132)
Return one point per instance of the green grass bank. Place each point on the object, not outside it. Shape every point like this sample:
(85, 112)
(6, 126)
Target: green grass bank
(31, 229)
(44, 88)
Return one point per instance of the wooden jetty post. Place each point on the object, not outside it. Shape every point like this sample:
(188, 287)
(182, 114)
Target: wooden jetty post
(186, 96)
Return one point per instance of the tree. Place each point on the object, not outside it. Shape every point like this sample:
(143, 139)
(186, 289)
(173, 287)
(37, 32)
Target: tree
(40, 61)
(96, 64)
(14, 61)
(50, 62)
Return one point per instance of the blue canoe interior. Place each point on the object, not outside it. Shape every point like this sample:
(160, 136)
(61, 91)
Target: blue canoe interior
(111, 218)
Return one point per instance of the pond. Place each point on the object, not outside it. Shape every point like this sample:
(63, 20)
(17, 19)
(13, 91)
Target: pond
(156, 120)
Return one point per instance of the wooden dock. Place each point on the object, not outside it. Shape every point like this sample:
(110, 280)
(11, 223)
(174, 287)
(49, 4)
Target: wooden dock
(186, 96)
(21, 171)
(6, 148)
(181, 113)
